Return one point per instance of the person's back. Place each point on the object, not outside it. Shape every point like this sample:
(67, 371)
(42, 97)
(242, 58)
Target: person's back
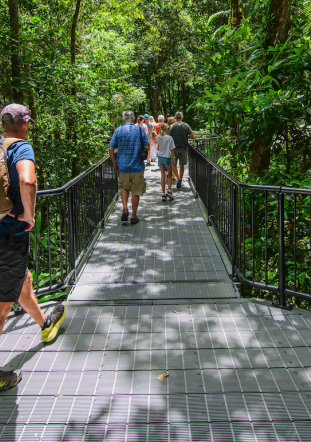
(127, 139)
(130, 140)
(180, 132)
(150, 126)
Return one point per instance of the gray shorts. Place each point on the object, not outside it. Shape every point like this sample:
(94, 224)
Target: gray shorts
(181, 154)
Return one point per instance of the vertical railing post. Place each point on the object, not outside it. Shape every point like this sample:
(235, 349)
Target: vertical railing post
(234, 228)
(195, 170)
(209, 173)
(71, 232)
(101, 193)
(282, 300)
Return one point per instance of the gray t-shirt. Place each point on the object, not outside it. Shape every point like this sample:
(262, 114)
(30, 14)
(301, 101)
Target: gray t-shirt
(166, 144)
(150, 127)
(180, 131)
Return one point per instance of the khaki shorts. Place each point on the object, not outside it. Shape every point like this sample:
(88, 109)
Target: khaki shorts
(181, 154)
(134, 182)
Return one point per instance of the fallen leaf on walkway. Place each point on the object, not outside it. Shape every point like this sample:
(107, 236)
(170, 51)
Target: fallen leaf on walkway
(162, 376)
(174, 311)
(57, 395)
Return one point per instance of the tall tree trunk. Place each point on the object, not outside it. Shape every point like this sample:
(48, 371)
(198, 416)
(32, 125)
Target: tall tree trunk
(155, 97)
(184, 96)
(156, 85)
(279, 22)
(277, 32)
(15, 58)
(235, 13)
(72, 119)
(169, 96)
(163, 99)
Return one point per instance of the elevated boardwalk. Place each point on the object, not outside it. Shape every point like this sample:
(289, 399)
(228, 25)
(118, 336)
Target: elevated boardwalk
(239, 370)
(169, 254)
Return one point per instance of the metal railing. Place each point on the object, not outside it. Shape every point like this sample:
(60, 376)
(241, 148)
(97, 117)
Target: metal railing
(68, 219)
(265, 230)
(208, 146)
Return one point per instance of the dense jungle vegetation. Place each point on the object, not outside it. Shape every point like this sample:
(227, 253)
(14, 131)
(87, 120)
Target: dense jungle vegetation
(241, 66)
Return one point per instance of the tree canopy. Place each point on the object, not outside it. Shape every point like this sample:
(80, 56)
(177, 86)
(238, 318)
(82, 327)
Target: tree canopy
(243, 67)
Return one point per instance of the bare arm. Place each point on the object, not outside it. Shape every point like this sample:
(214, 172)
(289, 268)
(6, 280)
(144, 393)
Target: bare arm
(28, 187)
(147, 147)
(113, 158)
(191, 136)
(173, 155)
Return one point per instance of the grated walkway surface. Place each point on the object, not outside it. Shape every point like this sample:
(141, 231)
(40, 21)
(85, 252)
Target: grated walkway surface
(238, 371)
(170, 244)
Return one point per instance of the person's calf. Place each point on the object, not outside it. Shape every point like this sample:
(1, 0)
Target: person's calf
(181, 172)
(135, 203)
(5, 308)
(29, 302)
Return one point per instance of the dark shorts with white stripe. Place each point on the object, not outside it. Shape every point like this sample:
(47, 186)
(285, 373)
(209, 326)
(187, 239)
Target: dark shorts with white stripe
(13, 267)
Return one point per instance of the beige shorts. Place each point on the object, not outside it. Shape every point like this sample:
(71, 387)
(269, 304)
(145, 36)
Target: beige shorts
(134, 182)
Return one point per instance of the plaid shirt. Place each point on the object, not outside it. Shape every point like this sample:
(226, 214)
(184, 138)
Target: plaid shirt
(127, 140)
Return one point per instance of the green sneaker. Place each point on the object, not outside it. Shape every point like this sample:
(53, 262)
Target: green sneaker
(57, 318)
(9, 379)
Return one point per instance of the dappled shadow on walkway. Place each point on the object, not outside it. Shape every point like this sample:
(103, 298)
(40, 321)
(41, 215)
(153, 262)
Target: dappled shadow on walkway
(238, 370)
(170, 243)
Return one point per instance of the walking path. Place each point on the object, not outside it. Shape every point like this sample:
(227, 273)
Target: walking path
(238, 370)
(170, 244)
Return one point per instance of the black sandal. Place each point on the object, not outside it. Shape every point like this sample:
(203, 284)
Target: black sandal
(134, 220)
(125, 215)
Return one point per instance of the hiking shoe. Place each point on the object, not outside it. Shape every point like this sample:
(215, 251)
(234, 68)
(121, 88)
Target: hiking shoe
(125, 215)
(55, 320)
(9, 379)
(170, 195)
(164, 197)
(179, 184)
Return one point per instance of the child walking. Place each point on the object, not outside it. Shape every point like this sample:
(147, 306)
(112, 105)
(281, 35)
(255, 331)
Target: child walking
(166, 159)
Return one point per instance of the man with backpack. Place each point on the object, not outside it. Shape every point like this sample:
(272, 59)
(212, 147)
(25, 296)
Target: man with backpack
(17, 212)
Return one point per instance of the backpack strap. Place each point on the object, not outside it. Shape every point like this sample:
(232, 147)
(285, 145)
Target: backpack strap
(7, 143)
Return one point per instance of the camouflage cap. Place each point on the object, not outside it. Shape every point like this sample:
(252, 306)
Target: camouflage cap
(15, 113)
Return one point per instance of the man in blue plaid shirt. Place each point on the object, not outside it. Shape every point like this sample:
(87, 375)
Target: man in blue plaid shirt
(130, 166)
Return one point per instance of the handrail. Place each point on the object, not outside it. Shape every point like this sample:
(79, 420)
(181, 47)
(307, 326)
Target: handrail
(236, 181)
(69, 219)
(70, 183)
(265, 229)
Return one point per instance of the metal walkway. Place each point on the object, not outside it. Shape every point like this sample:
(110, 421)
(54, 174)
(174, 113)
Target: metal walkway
(170, 244)
(155, 299)
(238, 371)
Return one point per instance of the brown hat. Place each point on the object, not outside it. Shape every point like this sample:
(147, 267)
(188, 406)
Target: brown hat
(15, 113)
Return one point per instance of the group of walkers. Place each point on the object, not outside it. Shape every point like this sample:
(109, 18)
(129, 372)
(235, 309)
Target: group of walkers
(170, 139)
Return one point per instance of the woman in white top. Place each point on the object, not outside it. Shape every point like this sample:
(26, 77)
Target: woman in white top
(166, 160)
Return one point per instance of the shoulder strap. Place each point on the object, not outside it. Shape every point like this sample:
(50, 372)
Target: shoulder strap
(7, 142)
